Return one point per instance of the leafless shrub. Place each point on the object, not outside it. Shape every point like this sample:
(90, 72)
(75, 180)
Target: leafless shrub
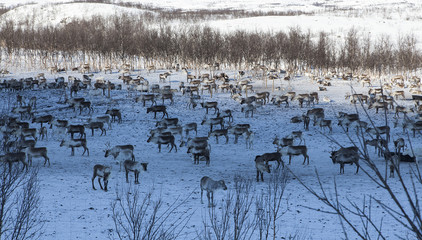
(235, 220)
(402, 207)
(145, 216)
(20, 217)
(269, 205)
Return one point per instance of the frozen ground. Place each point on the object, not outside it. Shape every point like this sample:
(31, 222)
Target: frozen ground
(74, 211)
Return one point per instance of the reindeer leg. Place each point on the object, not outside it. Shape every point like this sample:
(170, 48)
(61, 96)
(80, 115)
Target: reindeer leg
(92, 180)
(127, 175)
(209, 196)
(202, 202)
(101, 186)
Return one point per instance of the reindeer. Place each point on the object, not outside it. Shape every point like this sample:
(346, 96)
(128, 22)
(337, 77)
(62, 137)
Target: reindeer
(22, 144)
(163, 76)
(125, 151)
(42, 133)
(72, 143)
(237, 130)
(378, 105)
(219, 132)
(72, 129)
(297, 135)
(43, 119)
(401, 109)
(213, 121)
(261, 167)
(198, 152)
(249, 137)
(102, 172)
(115, 114)
(209, 185)
(324, 123)
(380, 130)
(277, 100)
(208, 105)
(315, 112)
(248, 109)
(97, 125)
(167, 122)
(165, 96)
(158, 108)
(26, 132)
(267, 157)
(399, 145)
(85, 105)
(346, 156)
(189, 127)
(136, 168)
(284, 142)
(345, 120)
(75, 103)
(378, 145)
(396, 94)
(265, 96)
(104, 119)
(11, 158)
(294, 151)
(412, 126)
(146, 97)
(22, 110)
(226, 114)
(37, 152)
(196, 142)
(296, 119)
(306, 121)
(162, 139)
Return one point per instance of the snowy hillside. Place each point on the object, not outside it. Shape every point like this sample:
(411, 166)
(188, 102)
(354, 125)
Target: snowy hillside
(70, 207)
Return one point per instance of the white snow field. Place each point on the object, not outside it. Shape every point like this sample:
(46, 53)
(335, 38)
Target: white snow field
(73, 210)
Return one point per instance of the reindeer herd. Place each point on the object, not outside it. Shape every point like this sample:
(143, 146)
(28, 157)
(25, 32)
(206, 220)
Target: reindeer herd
(21, 136)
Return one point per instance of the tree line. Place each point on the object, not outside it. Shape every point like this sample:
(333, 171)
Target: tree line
(131, 39)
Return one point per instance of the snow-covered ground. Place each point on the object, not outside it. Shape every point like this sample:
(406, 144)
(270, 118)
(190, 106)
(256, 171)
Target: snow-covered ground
(372, 19)
(74, 211)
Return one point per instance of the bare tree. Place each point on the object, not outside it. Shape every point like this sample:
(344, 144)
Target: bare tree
(269, 205)
(20, 217)
(138, 216)
(235, 220)
(402, 207)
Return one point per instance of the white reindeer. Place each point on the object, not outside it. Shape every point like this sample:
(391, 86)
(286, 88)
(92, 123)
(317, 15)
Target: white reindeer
(209, 185)
(124, 151)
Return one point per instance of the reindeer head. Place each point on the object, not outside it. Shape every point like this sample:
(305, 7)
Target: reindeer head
(189, 150)
(144, 166)
(222, 184)
(276, 140)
